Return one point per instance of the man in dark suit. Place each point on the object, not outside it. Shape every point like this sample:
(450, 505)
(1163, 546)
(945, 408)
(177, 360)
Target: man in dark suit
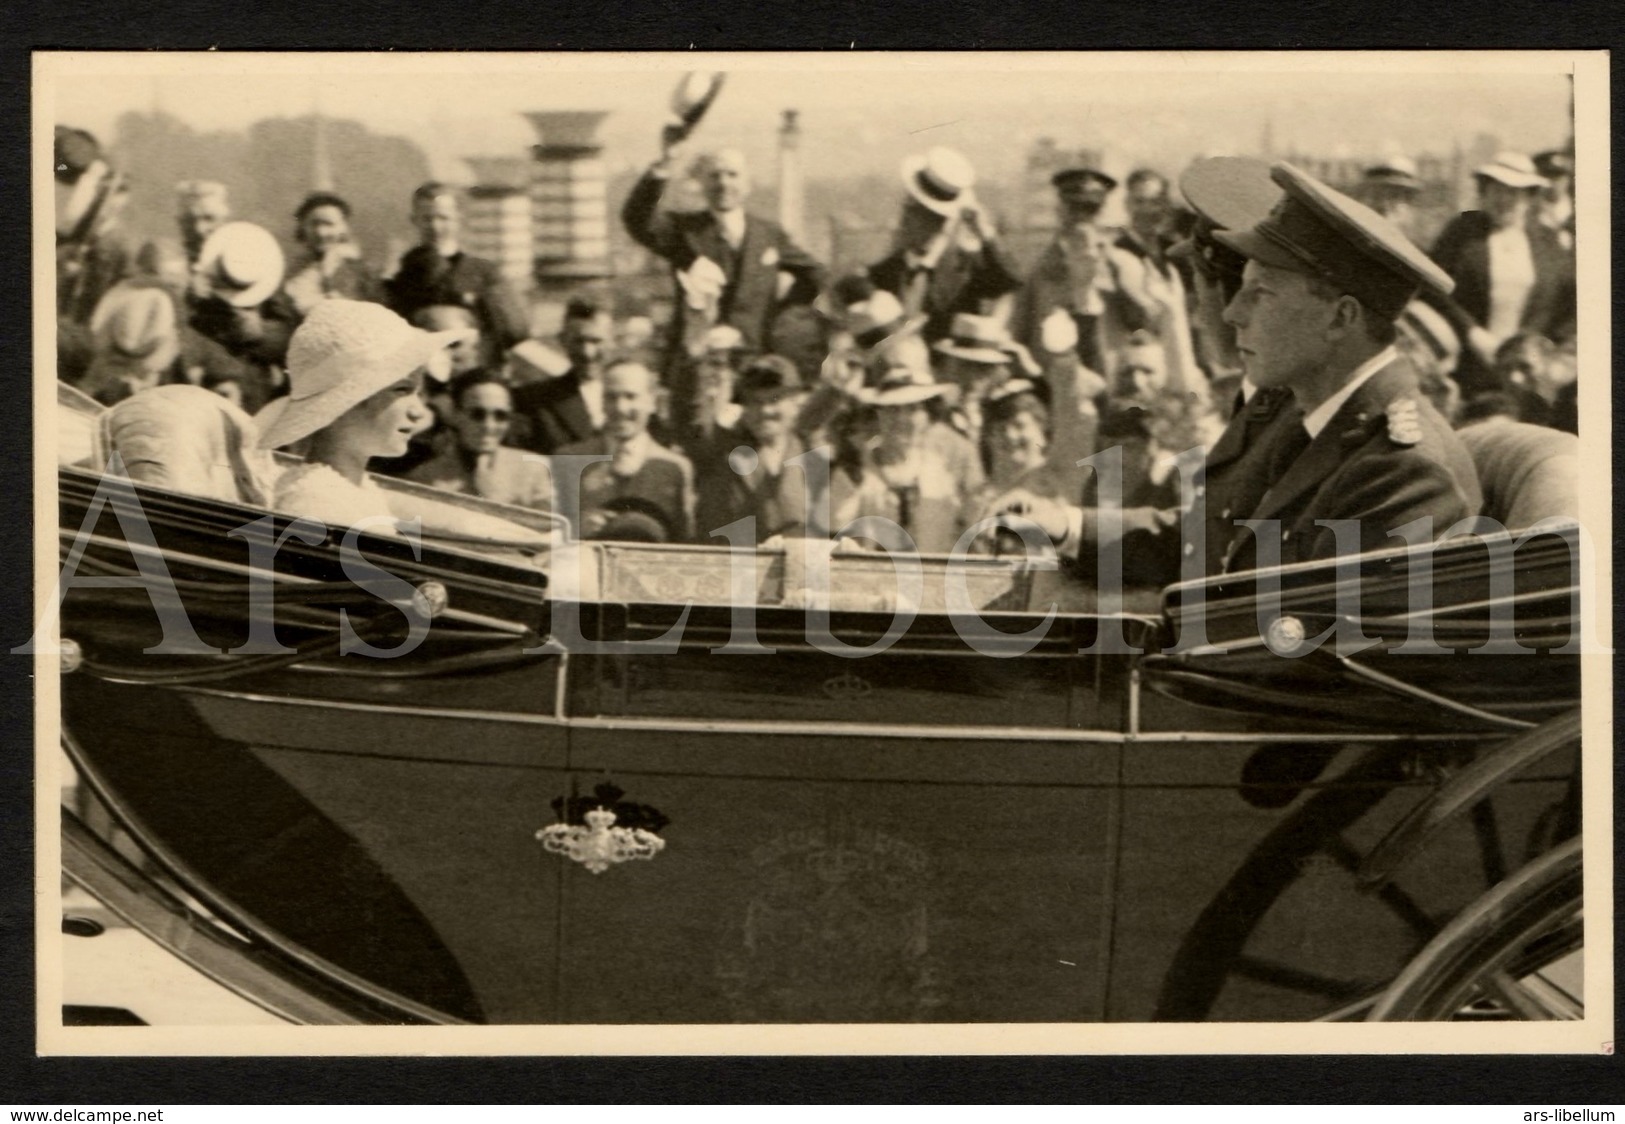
(948, 258)
(1325, 280)
(739, 469)
(437, 271)
(553, 413)
(729, 263)
(1512, 273)
(630, 471)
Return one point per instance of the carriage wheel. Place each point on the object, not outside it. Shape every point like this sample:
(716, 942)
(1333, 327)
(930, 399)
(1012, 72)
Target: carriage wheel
(1493, 959)
(1215, 950)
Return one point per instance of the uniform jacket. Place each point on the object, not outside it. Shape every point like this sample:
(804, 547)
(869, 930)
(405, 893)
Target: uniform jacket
(506, 476)
(1229, 485)
(960, 282)
(1364, 466)
(426, 278)
(750, 298)
(551, 414)
(1386, 458)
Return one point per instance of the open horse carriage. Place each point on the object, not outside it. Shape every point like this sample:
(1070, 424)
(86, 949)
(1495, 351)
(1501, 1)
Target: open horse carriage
(636, 783)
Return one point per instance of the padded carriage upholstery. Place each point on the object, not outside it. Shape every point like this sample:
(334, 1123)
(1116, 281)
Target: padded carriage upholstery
(190, 440)
(1528, 472)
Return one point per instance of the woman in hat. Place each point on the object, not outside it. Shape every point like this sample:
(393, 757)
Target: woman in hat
(333, 265)
(931, 475)
(355, 373)
(977, 358)
(1016, 438)
(739, 470)
(1512, 275)
(1034, 433)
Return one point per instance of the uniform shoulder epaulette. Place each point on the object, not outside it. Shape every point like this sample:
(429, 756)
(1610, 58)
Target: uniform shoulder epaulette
(1404, 421)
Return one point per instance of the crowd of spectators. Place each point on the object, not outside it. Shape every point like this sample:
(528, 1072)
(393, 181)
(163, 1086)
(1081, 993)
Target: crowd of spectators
(779, 400)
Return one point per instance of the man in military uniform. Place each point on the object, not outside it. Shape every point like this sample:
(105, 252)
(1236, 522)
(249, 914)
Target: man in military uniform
(1324, 282)
(1225, 192)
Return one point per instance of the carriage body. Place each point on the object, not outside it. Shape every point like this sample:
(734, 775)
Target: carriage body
(1048, 810)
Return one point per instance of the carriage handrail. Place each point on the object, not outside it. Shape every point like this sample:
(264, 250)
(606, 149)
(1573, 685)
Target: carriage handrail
(1408, 690)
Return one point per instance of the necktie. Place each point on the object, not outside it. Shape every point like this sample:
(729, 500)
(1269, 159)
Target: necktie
(1291, 445)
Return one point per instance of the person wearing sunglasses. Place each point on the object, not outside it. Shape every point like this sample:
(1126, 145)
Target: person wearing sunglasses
(471, 457)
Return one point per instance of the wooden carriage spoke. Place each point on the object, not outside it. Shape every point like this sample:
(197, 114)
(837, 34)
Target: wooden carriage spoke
(1390, 894)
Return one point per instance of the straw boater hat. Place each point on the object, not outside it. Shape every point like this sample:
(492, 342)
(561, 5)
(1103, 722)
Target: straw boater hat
(1433, 330)
(1395, 171)
(879, 318)
(983, 339)
(1511, 168)
(939, 180)
(344, 353)
(903, 385)
(242, 264)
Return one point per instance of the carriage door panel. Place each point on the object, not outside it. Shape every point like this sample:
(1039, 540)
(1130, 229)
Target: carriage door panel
(919, 836)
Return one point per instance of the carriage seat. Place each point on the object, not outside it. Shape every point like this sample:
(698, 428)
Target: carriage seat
(1528, 472)
(189, 440)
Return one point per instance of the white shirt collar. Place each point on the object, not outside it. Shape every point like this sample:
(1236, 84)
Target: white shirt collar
(1321, 416)
(732, 224)
(635, 448)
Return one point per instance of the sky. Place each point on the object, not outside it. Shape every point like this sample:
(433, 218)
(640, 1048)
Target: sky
(861, 112)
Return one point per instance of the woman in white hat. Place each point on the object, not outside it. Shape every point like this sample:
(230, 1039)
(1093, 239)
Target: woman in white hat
(355, 373)
(1036, 430)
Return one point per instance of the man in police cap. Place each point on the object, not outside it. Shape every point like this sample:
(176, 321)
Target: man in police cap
(1324, 282)
(1073, 272)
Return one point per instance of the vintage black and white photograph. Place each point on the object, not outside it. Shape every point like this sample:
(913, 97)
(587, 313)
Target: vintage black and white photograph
(775, 553)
